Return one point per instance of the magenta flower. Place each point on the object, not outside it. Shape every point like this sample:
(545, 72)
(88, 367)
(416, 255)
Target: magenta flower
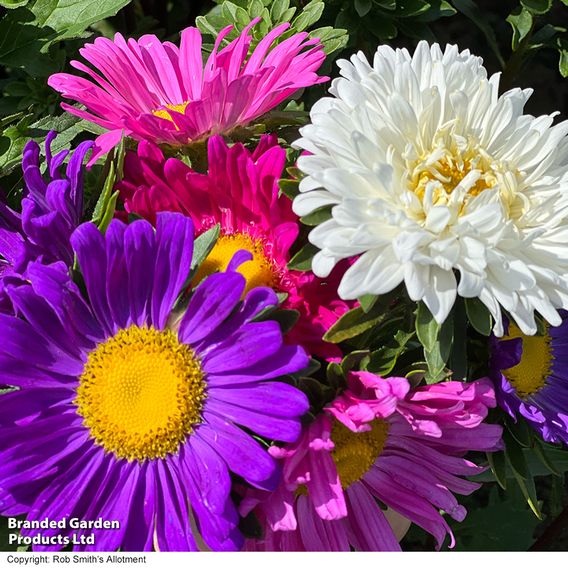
(156, 91)
(240, 193)
(377, 444)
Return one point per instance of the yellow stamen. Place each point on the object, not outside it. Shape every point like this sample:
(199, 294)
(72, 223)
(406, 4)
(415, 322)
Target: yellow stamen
(259, 271)
(356, 452)
(530, 375)
(448, 172)
(165, 112)
(141, 393)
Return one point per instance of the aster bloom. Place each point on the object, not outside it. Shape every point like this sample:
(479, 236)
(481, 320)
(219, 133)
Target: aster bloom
(377, 441)
(531, 379)
(429, 171)
(240, 193)
(129, 407)
(151, 90)
(51, 209)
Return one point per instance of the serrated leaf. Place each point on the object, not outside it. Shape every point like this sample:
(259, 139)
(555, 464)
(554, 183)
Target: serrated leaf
(27, 33)
(479, 316)
(302, 260)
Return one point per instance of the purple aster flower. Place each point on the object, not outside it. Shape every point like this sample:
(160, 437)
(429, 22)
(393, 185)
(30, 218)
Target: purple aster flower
(129, 406)
(530, 374)
(51, 210)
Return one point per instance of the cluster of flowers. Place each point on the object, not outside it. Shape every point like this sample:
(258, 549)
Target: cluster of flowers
(149, 377)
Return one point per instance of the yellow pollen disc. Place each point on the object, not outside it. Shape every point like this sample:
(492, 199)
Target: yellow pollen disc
(356, 452)
(259, 271)
(141, 393)
(448, 172)
(165, 112)
(530, 375)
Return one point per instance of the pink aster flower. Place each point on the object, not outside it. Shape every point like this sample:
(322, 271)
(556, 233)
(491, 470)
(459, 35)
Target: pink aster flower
(156, 91)
(378, 453)
(240, 193)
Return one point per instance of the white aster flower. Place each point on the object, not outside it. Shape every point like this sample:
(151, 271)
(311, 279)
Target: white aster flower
(431, 174)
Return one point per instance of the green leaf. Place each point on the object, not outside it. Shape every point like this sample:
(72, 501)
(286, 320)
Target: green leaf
(317, 217)
(255, 8)
(203, 245)
(109, 212)
(479, 18)
(354, 323)
(528, 490)
(302, 260)
(278, 8)
(11, 4)
(308, 16)
(427, 328)
(437, 341)
(331, 38)
(521, 21)
(505, 523)
(368, 301)
(289, 187)
(363, 7)
(383, 360)
(537, 6)
(498, 464)
(104, 199)
(286, 319)
(353, 359)
(27, 33)
(563, 61)
(13, 139)
(515, 455)
(479, 316)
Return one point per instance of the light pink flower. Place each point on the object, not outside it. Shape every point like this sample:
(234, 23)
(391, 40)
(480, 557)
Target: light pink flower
(240, 193)
(377, 445)
(156, 91)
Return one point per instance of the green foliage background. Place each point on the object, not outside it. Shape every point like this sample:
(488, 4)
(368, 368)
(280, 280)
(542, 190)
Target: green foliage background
(523, 503)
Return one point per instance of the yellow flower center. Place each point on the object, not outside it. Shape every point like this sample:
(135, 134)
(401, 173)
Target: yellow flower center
(447, 172)
(141, 393)
(356, 452)
(530, 375)
(165, 112)
(259, 271)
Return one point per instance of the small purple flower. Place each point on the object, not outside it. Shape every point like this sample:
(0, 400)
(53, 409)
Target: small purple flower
(131, 399)
(530, 374)
(51, 210)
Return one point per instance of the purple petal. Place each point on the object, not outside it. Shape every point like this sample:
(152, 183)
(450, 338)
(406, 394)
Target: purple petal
(174, 240)
(210, 305)
(139, 250)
